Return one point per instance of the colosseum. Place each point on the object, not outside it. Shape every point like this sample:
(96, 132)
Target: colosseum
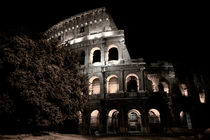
(126, 96)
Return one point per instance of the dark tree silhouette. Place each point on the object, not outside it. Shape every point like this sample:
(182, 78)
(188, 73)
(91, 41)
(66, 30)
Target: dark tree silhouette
(41, 84)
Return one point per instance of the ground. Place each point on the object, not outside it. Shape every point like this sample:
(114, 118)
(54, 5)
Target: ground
(57, 136)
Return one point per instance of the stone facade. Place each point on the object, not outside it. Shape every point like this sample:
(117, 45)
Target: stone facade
(126, 96)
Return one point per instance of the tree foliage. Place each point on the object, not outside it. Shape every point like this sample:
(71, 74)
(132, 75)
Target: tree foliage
(42, 84)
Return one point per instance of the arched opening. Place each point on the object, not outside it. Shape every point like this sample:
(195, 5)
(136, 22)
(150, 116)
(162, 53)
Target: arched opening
(132, 83)
(94, 121)
(95, 55)
(94, 85)
(82, 58)
(113, 122)
(183, 89)
(154, 120)
(113, 54)
(112, 84)
(134, 121)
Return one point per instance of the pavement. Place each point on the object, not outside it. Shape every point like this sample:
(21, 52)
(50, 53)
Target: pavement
(58, 136)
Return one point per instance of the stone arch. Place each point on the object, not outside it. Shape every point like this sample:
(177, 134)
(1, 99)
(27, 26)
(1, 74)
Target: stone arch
(183, 89)
(112, 53)
(94, 120)
(94, 85)
(134, 121)
(132, 83)
(112, 84)
(113, 121)
(154, 120)
(95, 55)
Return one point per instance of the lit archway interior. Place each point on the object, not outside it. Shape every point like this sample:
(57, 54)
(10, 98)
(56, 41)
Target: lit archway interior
(134, 121)
(154, 116)
(95, 55)
(183, 89)
(113, 121)
(112, 84)
(112, 53)
(94, 119)
(132, 83)
(154, 120)
(94, 85)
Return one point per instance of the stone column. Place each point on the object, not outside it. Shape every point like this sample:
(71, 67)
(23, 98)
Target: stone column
(103, 54)
(103, 83)
(142, 87)
(145, 121)
(123, 121)
(121, 82)
(86, 122)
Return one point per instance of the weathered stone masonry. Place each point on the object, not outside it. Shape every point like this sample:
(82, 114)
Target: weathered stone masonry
(125, 95)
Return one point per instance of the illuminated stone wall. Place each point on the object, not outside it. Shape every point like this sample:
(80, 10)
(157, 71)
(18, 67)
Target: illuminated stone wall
(87, 23)
(93, 31)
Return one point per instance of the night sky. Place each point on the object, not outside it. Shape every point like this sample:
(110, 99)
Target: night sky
(165, 31)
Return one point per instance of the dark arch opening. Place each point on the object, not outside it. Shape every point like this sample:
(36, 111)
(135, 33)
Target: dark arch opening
(113, 54)
(97, 56)
(132, 84)
(113, 122)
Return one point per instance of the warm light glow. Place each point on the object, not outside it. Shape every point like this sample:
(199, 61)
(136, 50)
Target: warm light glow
(112, 112)
(112, 84)
(165, 86)
(95, 113)
(154, 78)
(107, 34)
(183, 89)
(94, 85)
(94, 120)
(90, 37)
(181, 115)
(202, 97)
(134, 110)
(154, 116)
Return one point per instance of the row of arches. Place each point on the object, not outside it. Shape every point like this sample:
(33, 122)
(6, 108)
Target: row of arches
(112, 84)
(95, 55)
(134, 121)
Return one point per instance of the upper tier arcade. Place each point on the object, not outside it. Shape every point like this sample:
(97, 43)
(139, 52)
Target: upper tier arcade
(88, 25)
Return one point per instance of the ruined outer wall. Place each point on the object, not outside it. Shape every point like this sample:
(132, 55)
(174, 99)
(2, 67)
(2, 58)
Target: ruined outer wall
(86, 23)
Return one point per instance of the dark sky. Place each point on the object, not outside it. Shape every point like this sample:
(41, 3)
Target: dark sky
(152, 30)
